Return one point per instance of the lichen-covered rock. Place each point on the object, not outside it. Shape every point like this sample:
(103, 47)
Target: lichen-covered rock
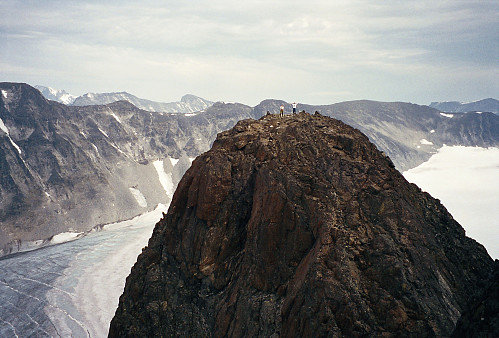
(299, 226)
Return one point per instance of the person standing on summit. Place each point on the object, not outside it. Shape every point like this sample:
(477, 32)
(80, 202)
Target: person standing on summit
(281, 111)
(294, 107)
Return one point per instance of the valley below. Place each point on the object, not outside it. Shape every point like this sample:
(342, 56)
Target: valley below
(71, 289)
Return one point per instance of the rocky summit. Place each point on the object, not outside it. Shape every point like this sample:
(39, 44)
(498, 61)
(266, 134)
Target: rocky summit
(299, 226)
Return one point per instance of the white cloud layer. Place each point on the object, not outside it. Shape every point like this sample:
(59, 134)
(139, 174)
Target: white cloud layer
(310, 51)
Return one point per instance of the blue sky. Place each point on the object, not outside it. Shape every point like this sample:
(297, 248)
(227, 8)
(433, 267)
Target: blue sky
(315, 52)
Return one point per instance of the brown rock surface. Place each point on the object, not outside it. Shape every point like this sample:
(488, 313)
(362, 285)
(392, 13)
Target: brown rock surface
(300, 227)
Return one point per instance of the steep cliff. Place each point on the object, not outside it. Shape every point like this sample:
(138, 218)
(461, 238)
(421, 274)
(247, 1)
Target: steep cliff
(299, 226)
(69, 169)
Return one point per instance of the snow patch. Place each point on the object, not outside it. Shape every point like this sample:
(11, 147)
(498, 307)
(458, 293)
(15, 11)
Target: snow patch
(4, 93)
(118, 149)
(190, 114)
(191, 159)
(116, 117)
(174, 161)
(432, 131)
(4, 127)
(65, 237)
(6, 130)
(164, 178)
(466, 180)
(67, 98)
(140, 220)
(425, 142)
(103, 132)
(478, 112)
(52, 91)
(15, 146)
(447, 115)
(139, 197)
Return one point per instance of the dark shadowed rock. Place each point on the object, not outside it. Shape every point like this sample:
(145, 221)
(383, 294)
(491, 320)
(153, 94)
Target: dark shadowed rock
(300, 227)
(481, 317)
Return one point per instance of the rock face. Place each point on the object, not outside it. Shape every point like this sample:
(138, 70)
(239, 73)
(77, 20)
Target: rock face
(300, 227)
(69, 169)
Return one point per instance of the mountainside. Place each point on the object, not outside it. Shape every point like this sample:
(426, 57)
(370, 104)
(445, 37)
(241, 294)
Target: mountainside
(188, 103)
(300, 227)
(408, 133)
(486, 105)
(57, 95)
(68, 169)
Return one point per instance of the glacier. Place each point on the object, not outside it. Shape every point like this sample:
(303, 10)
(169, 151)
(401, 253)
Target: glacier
(71, 289)
(466, 180)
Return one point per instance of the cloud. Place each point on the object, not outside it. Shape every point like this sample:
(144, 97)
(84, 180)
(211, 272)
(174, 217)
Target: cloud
(223, 48)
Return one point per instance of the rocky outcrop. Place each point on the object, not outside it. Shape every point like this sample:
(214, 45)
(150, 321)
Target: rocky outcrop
(299, 226)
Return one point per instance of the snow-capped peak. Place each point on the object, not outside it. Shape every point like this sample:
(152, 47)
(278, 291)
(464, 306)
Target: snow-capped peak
(58, 95)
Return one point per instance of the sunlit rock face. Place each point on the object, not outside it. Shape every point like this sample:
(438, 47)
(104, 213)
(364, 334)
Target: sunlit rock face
(299, 226)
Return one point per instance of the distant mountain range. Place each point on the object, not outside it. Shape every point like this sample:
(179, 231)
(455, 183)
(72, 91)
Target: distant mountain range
(486, 105)
(187, 104)
(191, 103)
(58, 95)
(69, 168)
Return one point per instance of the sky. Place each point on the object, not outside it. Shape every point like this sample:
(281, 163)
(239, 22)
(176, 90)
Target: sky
(316, 52)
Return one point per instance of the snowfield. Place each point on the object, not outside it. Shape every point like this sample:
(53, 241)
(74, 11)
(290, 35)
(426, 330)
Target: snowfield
(165, 179)
(139, 197)
(466, 181)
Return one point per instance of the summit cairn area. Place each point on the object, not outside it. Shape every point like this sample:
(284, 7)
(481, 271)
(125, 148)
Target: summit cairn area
(299, 226)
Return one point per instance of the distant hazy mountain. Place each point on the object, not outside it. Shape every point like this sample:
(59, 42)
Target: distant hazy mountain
(486, 105)
(57, 95)
(188, 103)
